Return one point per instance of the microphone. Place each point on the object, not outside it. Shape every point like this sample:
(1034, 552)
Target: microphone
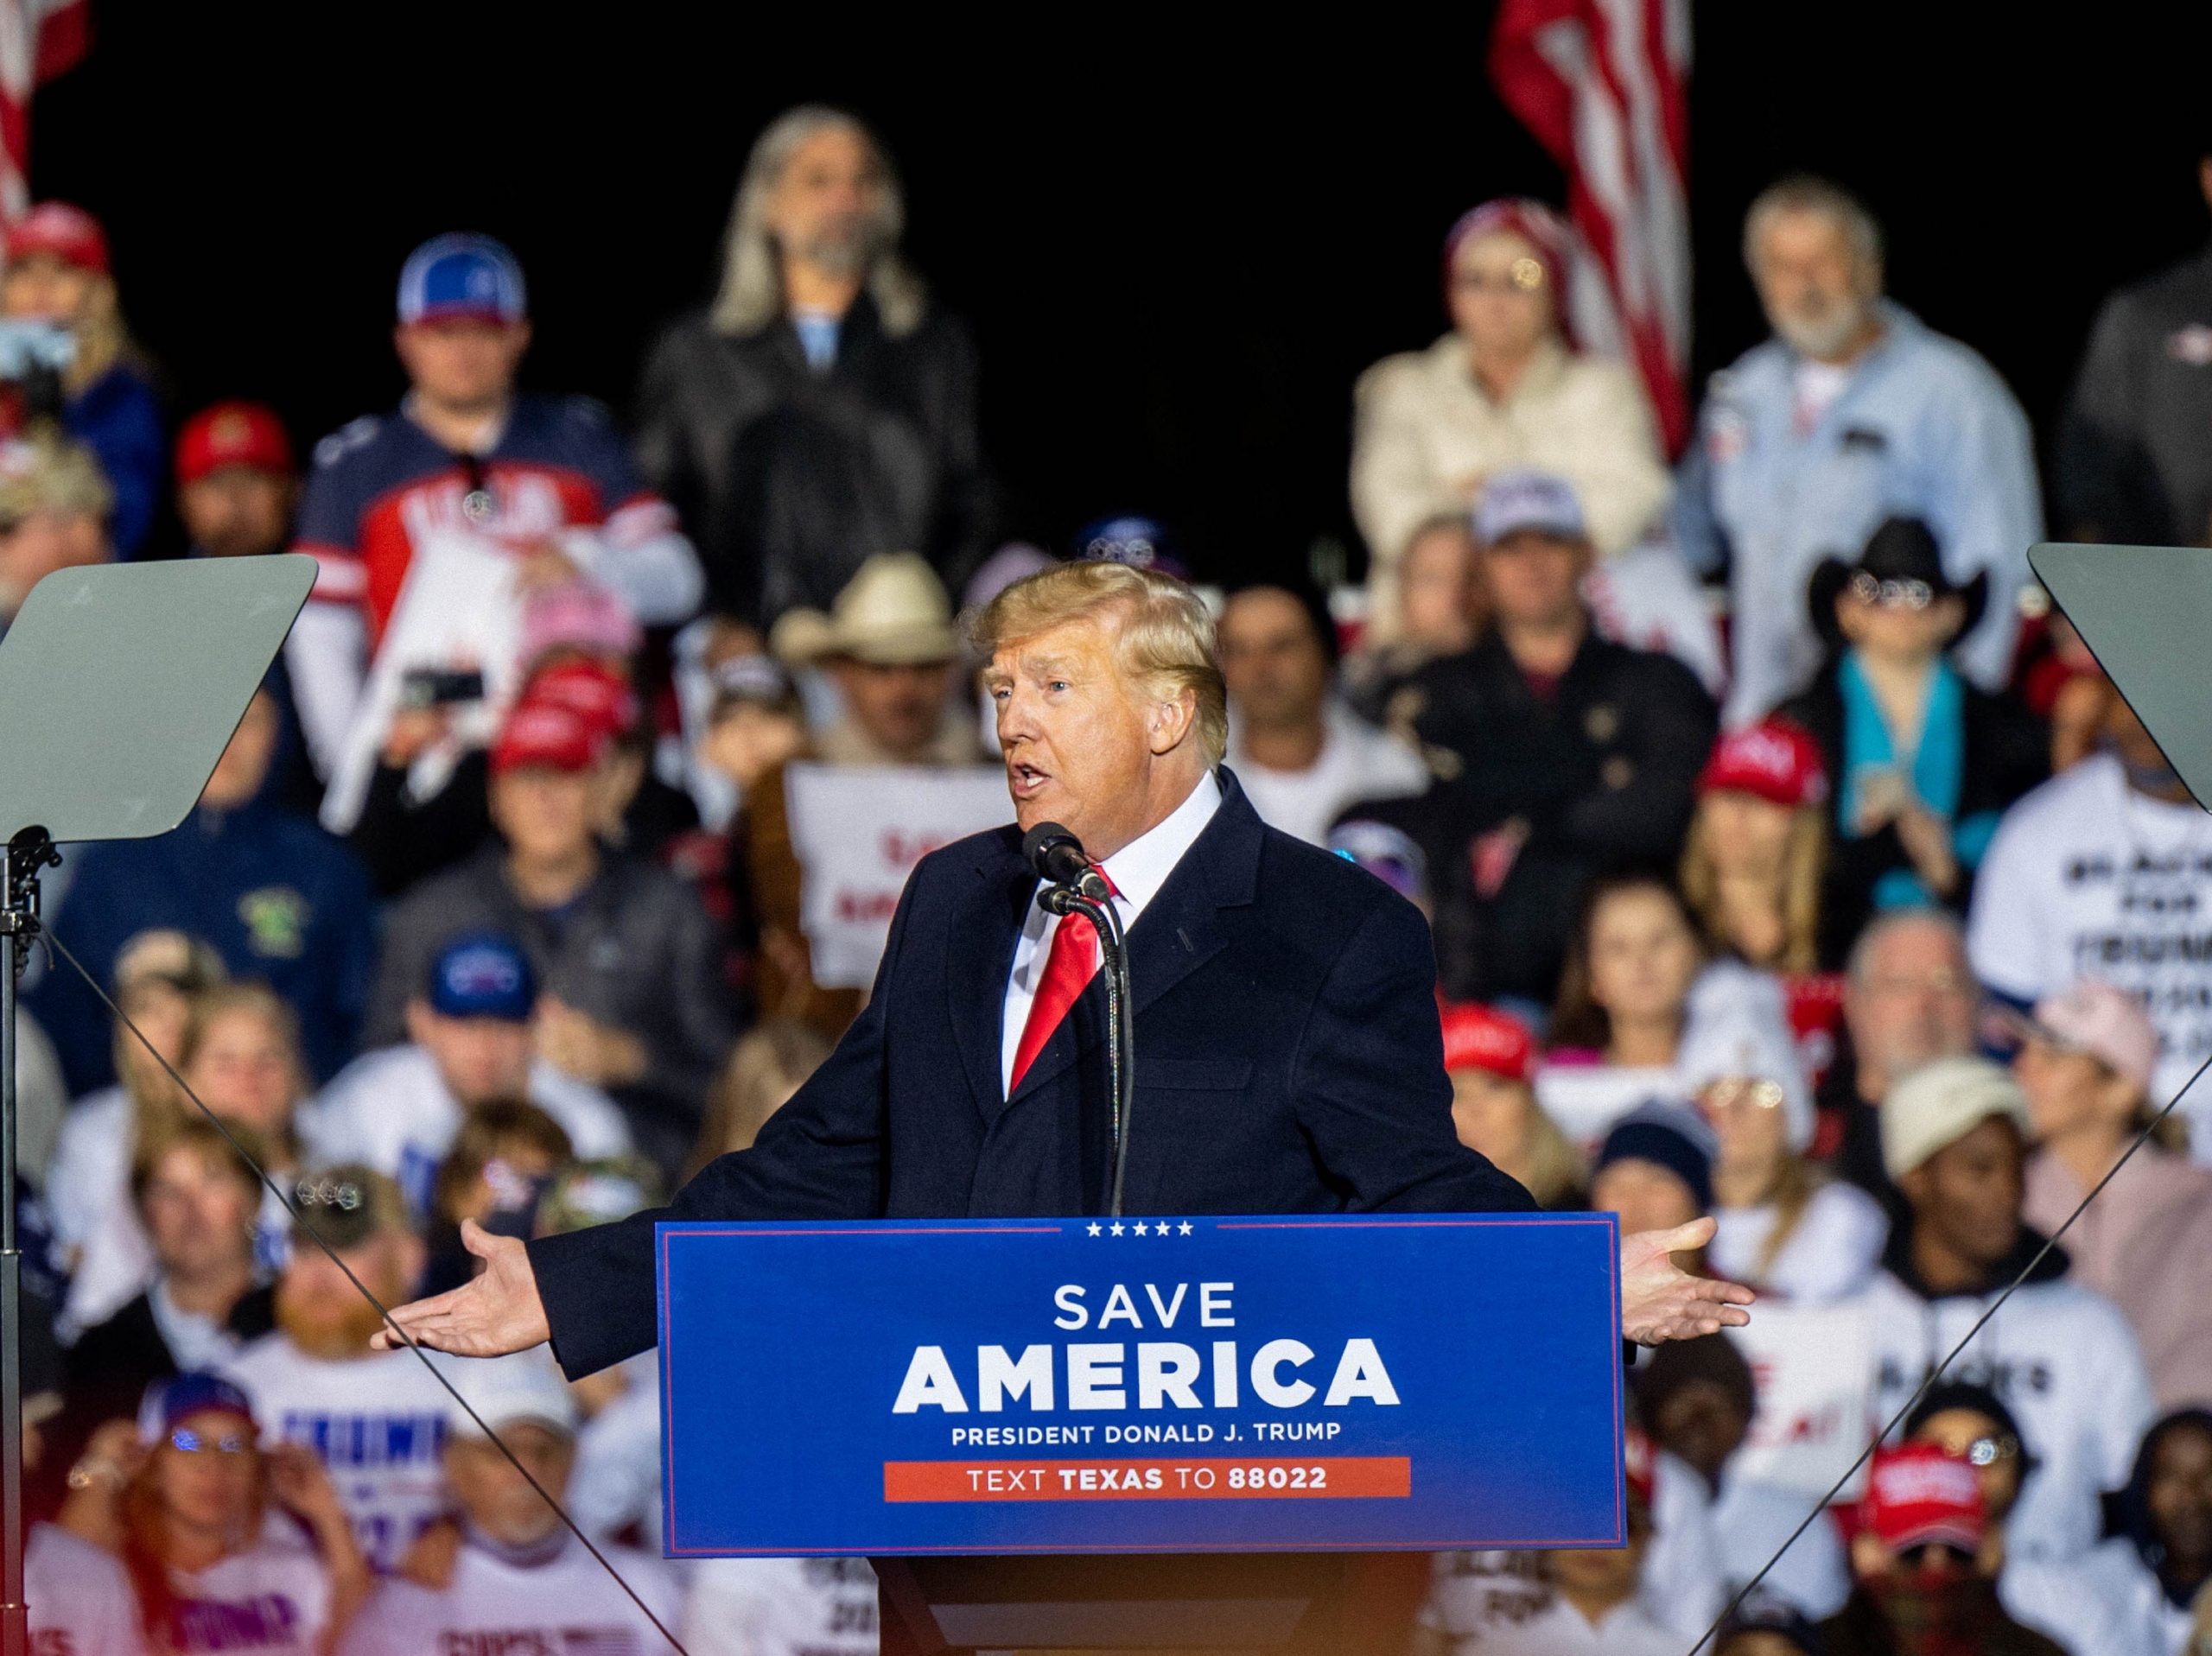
(1059, 859)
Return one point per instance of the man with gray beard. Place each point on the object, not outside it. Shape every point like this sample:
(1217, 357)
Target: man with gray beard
(822, 410)
(1854, 411)
(1910, 998)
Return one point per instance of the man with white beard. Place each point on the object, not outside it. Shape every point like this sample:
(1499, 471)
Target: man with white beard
(1854, 412)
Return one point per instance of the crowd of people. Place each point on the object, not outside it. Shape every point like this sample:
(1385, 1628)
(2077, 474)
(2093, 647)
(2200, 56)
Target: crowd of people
(1787, 860)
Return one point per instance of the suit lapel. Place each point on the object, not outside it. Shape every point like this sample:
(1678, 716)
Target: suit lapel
(1179, 931)
(988, 927)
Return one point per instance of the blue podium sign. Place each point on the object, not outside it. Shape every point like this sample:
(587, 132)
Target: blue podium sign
(1419, 1382)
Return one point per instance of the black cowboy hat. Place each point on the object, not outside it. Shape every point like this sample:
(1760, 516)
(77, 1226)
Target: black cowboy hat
(1901, 551)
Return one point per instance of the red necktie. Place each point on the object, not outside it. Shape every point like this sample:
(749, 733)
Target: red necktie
(1068, 971)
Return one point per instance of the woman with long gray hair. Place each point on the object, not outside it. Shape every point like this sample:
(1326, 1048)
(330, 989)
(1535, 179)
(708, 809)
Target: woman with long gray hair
(821, 410)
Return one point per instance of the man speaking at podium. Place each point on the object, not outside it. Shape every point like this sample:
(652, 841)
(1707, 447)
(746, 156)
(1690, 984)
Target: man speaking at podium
(1288, 1055)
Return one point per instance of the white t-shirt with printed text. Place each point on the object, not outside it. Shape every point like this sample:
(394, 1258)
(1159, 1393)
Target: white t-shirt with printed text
(2087, 878)
(564, 1605)
(1496, 1604)
(79, 1596)
(781, 1607)
(378, 1423)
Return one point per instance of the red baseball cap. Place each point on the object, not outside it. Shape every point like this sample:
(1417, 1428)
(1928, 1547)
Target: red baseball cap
(1774, 758)
(1475, 1037)
(1919, 1494)
(548, 735)
(596, 693)
(232, 434)
(68, 233)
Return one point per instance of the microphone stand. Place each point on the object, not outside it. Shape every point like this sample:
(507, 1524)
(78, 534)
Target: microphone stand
(27, 854)
(1120, 1022)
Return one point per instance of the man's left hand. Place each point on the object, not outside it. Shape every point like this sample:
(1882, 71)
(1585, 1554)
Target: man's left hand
(1660, 1301)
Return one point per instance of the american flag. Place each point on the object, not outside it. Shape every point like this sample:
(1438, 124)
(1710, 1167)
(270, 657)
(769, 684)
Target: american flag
(39, 40)
(1603, 86)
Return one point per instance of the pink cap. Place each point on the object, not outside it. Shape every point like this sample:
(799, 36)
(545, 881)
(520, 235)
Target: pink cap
(2106, 1022)
(61, 230)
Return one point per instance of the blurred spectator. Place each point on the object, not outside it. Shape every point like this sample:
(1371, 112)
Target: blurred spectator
(2133, 465)
(503, 1158)
(2065, 1599)
(1560, 1602)
(1696, 1398)
(240, 1055)
(1923, 760)
(58, 273)
(2060, 1357)
(469, 1042)
(54, 507)
(1562, 752)
(770, 1062)
(632, 1000)
(376, 1419)
(1854, 412)
(1908, 999)
(1757, 847)
(497, 494)
(278, 898)
(1505, 389)
(78, 1597)
(2146, 1242)
(1301, 755)
(1442, 609)
(1923, 1579)
(224, 1545)
(755, 723)
(891, 648)
(746, 1607)
(1365, 835)
(519, 1580)
(616, 1490)
(1783, 1227)
(1492, 1059)
(824, 410)
(1766, 1624)
(1625, 991)
(2107, 869)
(1655, 1169)
(2161, 1553)
(237, 481)
(197, 1197)
(157, 977)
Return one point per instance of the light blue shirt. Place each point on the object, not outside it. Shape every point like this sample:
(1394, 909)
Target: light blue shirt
(1924, 429)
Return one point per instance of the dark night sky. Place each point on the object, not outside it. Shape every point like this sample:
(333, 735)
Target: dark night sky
(1176, 256)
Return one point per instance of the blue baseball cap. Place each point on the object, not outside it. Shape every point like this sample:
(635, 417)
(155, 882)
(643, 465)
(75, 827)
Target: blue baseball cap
(171, 1401)
(483, 974)
(1541, 501)
(462, 276)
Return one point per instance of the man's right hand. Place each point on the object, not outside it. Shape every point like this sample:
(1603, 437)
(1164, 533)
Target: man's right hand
(497, 1313)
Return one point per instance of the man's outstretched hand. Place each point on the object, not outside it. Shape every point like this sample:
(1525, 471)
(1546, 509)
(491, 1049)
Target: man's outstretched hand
(1660, 1301)
(497, 1313)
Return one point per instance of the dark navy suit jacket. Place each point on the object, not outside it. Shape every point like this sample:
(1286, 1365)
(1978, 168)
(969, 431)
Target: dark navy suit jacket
(1288, 1061)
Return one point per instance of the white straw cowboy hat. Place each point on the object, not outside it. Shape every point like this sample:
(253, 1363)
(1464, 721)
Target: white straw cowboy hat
(894, 614)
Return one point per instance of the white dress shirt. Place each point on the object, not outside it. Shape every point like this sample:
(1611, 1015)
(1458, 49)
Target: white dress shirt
(1138, 870)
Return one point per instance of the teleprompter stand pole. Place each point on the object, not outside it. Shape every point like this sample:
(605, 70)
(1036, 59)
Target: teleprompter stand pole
(28, 853)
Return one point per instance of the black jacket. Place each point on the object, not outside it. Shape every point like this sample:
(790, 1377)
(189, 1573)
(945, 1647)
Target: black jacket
(635, 950)
(2133, 463)
(1601, 771)
(2007, 752)
(789, 477)
(1324, 1092)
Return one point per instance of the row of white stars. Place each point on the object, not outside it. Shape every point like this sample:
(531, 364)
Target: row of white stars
(1141, 1228)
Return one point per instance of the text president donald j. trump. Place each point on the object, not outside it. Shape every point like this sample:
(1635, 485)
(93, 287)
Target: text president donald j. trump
(1288, 1058)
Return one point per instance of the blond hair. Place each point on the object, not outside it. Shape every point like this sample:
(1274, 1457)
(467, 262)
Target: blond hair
(752, 293)
(1166, 644)
(1804, 861)
(768, 1063)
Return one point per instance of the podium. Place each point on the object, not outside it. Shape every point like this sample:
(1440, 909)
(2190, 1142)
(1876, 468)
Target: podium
(1229, 1433)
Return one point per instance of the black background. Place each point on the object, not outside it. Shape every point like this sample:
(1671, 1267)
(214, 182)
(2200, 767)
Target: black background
(1177, 251)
